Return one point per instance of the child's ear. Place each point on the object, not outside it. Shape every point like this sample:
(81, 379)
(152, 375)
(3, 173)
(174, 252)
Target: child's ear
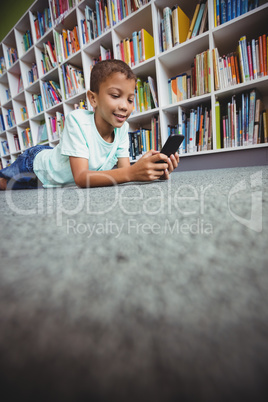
(92, 98)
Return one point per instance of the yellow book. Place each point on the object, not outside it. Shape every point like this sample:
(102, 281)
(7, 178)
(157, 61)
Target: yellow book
(193, 21)
(147, 43)
(183, 24)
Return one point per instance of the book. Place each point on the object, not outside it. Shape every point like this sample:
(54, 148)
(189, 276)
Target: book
(180, 25)
(218, 125)
(193, 21)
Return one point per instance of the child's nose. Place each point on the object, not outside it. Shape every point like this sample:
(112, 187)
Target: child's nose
(123, 104)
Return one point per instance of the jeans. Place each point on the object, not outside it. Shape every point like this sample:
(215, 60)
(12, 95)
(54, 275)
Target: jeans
(20, 174)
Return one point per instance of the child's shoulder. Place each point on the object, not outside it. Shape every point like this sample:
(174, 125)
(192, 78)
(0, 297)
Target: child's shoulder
(81, 114)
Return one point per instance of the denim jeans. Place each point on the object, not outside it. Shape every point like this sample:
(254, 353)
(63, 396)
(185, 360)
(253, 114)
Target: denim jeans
(20, 174)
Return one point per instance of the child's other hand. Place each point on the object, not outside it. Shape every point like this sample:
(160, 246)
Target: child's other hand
(172, 162)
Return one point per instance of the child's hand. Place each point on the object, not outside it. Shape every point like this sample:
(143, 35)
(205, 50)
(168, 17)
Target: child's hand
(146, 168)
(172, 162)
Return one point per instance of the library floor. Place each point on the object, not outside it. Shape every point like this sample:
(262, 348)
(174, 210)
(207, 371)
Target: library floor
(141, 292)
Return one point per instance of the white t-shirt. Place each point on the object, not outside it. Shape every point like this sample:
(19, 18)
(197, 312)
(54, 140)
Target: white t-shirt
(80, 138)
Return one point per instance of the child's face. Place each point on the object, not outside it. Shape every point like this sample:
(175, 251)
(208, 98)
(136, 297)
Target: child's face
(114, 102)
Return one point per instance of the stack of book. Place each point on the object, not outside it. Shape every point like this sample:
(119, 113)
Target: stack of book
(56, 125)
(32, 74)
(199, 22)
(226, 10)
(52, 93)
(248, 63)
(121, 9)
(105, 54)
(242, 121)
(42, 23)
(145, 95)
(81, 105)
(60, 8)
(49, 59)
(144, 139)
(72, 80)
(96, 22)
(37, 103)
(10, 118)
(198, 82)
(67, 43)
(174, 27)
(136, 49)
(27, 41)
(5, 147)
(2, 65)
(24, 113)
(196, 126)
(27, 138)
(12, 56)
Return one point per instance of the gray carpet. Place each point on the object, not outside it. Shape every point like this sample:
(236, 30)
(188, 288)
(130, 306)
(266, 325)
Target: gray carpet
(141, 292)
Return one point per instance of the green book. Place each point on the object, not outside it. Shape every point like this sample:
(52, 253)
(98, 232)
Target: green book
(218, 124)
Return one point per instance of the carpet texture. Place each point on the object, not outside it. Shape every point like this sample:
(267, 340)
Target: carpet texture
(140, 292)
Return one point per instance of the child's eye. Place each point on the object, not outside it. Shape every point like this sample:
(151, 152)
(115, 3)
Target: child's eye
(130, 100)
(115, 96)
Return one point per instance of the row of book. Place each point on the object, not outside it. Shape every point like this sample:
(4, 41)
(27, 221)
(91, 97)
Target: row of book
(27, 138)
(60, 8)
(248, 63)
(10, 118)
(144, 139)
(198, 82)
(52, 93)
(42, 23)
(37, 103)
(5, 147)
(49, 58)
(242, 121)
(66, 43)
(8, 94)
(145, 95)
(72, 80)
(27, 41)
(120, 9)
(226, 10)
(2, 65)
(56, 125)
(24, 113)
(136, 49)
(175, 26)
(196, 126)
(32, 74)
(96, 22)
(105, 54)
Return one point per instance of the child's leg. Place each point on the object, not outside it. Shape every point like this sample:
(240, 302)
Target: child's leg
(20, 174)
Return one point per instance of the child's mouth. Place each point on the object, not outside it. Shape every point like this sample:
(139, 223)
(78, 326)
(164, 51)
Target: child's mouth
(120, 117)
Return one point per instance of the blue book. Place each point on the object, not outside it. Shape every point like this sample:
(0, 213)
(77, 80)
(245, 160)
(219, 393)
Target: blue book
(223, 11)
(233, 9)
(98, 17)
(238, 8)
(229, 10)
(135, 46)
(198, 20)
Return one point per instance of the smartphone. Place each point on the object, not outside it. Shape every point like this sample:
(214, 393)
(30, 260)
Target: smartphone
(171, 145)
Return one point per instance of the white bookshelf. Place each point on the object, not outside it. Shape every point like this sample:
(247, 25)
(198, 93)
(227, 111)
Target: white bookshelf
(161, 67)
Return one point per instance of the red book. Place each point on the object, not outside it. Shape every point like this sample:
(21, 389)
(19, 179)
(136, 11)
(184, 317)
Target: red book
(264, 46)
(261, 56)
(250, 62)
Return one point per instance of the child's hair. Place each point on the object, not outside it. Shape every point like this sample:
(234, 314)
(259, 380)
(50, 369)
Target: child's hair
(103, 69)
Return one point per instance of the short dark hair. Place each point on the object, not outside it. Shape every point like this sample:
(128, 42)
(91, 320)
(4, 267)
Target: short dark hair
(103, 69)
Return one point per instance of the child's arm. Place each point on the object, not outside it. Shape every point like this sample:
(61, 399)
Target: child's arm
(145, 169)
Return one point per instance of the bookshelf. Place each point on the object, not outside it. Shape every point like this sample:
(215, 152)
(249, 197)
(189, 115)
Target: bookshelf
(18, 91)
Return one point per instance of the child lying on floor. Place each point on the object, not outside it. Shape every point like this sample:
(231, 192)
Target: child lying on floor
(92, 143)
